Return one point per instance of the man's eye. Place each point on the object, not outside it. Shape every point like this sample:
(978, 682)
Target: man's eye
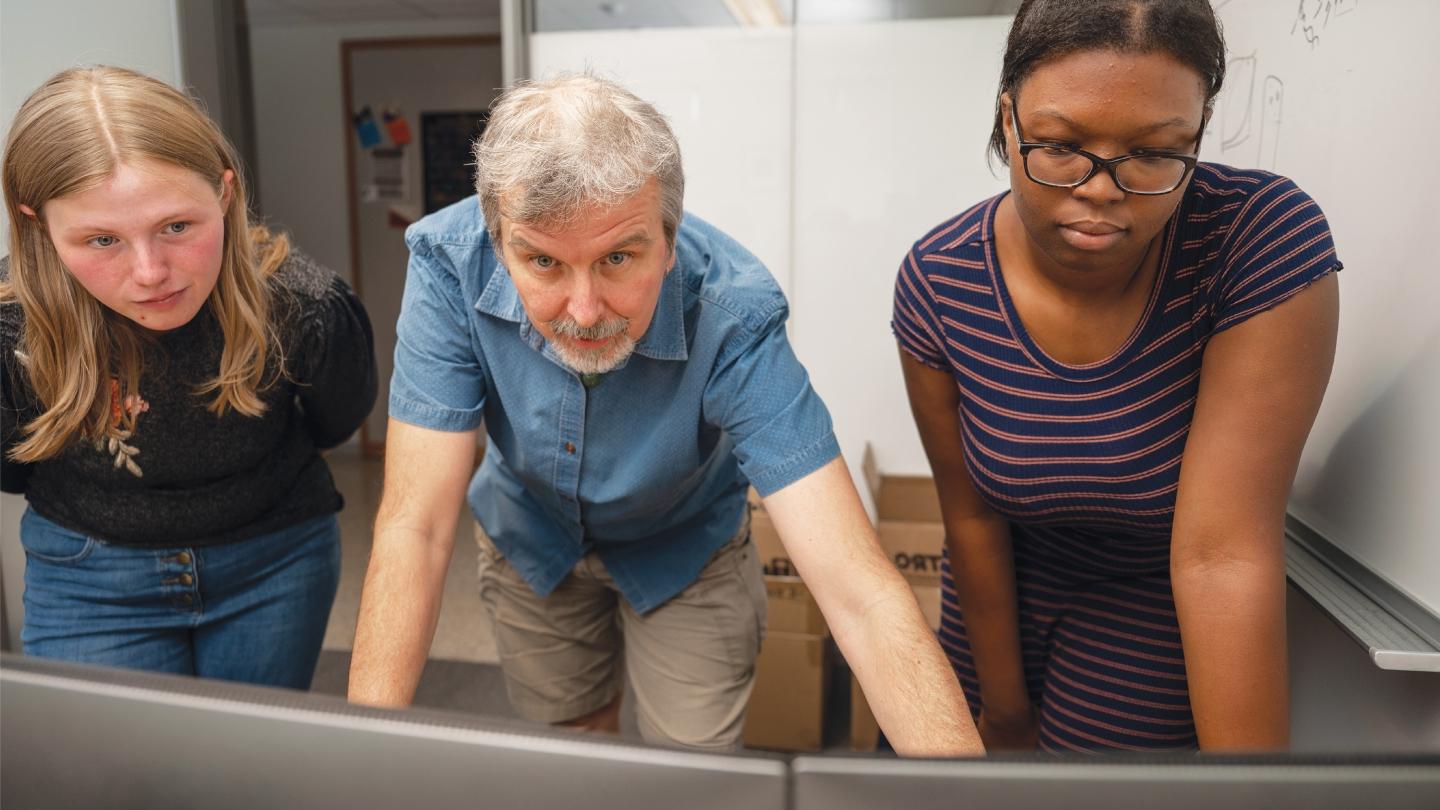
(617, 258)
(103, 241)
(543, 262)
(177, 227)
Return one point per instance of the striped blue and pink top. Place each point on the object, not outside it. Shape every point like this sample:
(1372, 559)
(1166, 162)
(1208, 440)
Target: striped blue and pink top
(1097, 447)
(1084, 460)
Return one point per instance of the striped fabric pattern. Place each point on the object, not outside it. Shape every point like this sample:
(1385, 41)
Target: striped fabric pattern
(1084, 460)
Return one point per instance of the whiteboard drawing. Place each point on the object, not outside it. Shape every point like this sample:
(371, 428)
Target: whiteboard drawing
(1272, 102)
(1312, 16)
(1250, 116)
(1235, 110)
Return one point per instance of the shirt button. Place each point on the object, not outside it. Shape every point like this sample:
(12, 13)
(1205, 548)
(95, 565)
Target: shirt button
(570, 448)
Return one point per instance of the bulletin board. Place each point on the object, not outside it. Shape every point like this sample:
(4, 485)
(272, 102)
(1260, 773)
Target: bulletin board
(447, 169)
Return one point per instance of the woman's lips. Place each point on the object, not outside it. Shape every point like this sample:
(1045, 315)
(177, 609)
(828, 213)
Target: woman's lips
(163, 300)
(1088, 235)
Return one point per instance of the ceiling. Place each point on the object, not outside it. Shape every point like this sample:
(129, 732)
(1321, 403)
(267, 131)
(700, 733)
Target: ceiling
(569, 15)
(302, 12)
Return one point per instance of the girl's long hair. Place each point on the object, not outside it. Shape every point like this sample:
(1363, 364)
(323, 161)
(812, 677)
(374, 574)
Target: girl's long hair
(68, 137)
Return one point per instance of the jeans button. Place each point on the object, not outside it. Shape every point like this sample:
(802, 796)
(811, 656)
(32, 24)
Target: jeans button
(187, 598)
(183, 558)
(186, 579)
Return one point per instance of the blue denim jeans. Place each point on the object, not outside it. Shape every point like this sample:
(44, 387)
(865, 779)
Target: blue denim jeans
(252, 611)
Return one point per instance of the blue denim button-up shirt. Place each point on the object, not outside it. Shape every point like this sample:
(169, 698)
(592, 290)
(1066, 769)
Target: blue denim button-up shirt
(647, 469)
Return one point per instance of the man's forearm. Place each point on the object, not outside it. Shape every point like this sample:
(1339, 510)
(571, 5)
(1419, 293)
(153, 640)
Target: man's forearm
(399, 609)
(906, 677)
(873, 614)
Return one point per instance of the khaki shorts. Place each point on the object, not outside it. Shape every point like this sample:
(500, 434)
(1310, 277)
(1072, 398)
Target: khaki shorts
(690, 661)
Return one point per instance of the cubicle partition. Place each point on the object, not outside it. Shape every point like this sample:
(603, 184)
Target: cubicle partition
(74, 736)
(1117, 782)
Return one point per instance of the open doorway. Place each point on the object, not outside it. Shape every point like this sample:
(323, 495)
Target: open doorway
(416, 105)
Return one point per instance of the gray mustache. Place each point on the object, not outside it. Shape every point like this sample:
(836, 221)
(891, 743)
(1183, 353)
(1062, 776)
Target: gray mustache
(604, 329)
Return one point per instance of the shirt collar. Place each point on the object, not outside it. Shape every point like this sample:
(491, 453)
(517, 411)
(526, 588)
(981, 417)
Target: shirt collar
(500, 298)
(664, 340)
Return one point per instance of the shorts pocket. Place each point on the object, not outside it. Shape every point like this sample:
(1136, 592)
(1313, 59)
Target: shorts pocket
(754, 579)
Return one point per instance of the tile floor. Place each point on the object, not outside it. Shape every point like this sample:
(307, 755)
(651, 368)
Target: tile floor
(463, 633)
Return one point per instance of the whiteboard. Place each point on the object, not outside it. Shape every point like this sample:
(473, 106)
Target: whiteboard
(1341, 96)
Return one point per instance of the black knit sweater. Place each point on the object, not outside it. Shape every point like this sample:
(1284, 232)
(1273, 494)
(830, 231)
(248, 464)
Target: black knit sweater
(186, 477)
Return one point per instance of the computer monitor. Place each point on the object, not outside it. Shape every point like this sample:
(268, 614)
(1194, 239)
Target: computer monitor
(1156, 782)
(92, 737)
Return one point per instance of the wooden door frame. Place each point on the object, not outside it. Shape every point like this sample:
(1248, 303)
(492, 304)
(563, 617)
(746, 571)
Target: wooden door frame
(371, 448)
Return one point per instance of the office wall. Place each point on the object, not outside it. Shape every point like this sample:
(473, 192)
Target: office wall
(301, 124)
(727, 93)
(215, 60)
(891, 124)
(38, 40)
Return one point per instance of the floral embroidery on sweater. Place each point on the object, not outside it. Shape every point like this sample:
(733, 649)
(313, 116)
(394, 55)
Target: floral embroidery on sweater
(126, 411)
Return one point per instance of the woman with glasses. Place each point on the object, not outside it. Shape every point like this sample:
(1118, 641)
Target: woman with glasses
(169, 371)
(1113, 367)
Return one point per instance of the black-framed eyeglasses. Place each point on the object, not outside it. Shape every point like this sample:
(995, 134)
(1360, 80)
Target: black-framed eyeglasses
(1146, 173)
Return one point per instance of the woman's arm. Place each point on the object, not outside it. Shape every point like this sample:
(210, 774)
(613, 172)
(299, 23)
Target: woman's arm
(339, 384)
(16, 407)
(978, 541)
(1260, 387)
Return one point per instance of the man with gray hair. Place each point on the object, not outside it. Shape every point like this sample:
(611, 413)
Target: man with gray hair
(632, 371)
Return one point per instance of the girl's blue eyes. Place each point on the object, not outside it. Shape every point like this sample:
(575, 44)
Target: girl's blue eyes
(105, 240)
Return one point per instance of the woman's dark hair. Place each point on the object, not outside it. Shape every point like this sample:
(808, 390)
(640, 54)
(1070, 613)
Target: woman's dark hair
(1047, 29)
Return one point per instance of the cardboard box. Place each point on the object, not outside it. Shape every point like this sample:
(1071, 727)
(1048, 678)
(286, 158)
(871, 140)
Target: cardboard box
(864, 731)
(916, 547)
(773, 558)
(900, 497)
(929, 598)
(787, 706)
(790, 608)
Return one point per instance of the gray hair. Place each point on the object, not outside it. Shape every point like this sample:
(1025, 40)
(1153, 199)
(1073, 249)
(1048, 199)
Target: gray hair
(555, 147)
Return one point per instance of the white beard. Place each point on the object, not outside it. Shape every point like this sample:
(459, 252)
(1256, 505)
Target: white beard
(594, 361)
